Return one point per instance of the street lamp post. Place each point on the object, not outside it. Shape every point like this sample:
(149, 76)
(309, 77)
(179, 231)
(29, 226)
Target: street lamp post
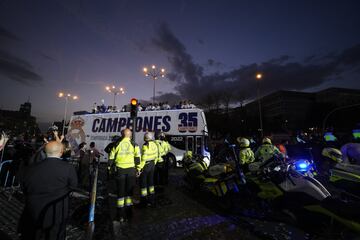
(115, 91)
(258, 78)
(66, 96)
(154, 73)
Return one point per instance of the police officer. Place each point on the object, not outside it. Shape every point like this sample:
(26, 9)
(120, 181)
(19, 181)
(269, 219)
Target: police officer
(150, 152)
(246, 155)
(266, 151)
(159, 162)
(126, 157)
(167, 149)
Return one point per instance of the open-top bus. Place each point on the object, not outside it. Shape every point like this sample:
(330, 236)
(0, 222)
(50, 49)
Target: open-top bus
(185, 129)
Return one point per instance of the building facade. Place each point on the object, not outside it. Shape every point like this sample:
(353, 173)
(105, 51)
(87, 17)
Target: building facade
(296, 110)
(19, 122)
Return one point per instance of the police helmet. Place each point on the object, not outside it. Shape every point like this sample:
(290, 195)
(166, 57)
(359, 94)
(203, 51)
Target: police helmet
(266, 140)
(148, 136)
(333, 154)
(162, 136)
(243, 142)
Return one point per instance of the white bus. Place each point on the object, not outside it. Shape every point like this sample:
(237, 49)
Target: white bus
(185, 129)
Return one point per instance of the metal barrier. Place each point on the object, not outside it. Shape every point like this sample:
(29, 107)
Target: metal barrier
(91, 221)
(7, 177)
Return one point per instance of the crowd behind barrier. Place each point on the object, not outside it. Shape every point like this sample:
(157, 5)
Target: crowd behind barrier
(186, 104)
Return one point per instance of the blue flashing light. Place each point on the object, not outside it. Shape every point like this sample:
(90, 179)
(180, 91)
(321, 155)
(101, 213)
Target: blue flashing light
(302, 165)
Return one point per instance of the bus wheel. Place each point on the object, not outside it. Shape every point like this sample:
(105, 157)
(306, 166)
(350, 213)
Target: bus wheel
(171, 161)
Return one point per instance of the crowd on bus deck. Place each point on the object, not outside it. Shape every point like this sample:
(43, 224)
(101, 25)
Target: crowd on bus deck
(185, 104)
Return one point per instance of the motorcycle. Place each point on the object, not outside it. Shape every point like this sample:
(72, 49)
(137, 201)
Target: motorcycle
(342, 180)
(218, 180)
(291, 187)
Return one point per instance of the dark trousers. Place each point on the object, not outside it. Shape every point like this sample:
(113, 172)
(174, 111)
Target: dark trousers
(159, 174)
(125, 182)
(147, 181)
(166, 170)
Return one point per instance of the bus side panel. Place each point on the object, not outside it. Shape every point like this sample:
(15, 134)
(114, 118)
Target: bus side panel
(100, 128)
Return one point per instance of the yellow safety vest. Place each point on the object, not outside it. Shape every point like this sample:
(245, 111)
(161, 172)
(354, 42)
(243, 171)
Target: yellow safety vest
(266, 151)
(124, 154)
(167, 146)
(150, 152)
(246, 156)
(161, 150)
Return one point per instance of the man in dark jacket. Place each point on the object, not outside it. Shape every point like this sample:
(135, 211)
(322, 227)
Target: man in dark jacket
(46, 187)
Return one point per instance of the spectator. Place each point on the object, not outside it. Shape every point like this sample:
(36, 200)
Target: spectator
(139, 107)
(157, 107)
(114, 109)
(109, 109)
(123, 108)
(166, 106)
(95, 153)
(191, 105)
(95, 108)
(46, 187)
(67, 151)
(150, 107)
(179, 106)
(185, 105)
(84, 165)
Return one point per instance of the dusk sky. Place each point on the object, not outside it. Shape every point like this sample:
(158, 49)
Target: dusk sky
(80, 46)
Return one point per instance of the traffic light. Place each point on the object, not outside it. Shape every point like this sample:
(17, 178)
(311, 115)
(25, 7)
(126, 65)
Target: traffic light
(133, 107)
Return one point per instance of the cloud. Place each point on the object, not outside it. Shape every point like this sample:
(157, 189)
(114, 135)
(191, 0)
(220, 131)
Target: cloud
(12, 67)
(201, 42)
(213, 63)
(279, 73)
(17, 69)
(6, 35)
(47, 57)
(171, 98)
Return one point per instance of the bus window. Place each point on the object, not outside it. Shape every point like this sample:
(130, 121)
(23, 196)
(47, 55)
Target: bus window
(198, 144)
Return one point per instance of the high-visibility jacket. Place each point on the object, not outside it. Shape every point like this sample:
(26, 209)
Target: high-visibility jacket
(265, 152)
(149, 152)
(125, 154)
(161, 150)
(167, 146)
(246, 156)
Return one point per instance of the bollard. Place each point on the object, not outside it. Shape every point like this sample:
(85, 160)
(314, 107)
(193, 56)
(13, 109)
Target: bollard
(91, 222)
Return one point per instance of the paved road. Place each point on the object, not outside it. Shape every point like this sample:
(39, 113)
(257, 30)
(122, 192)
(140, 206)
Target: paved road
(178, 216)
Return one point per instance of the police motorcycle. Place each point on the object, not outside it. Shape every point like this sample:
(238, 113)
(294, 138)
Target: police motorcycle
(219, 179)
(342, 179)
(291, 187)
